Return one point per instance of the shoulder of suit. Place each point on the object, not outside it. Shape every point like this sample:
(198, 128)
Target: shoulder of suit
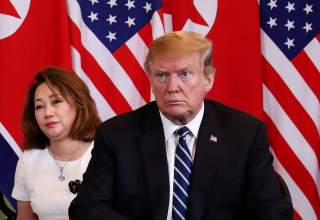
(227, 112)
(131, 118)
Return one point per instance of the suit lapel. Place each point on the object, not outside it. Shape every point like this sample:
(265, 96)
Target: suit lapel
(205, 162)
(152, 147)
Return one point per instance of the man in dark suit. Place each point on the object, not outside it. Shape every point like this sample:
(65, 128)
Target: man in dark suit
(181, 157)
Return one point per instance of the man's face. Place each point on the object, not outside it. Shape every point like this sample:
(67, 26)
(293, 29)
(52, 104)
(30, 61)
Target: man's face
(179, 86)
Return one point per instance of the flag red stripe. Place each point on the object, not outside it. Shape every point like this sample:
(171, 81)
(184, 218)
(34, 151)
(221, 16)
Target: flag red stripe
(293, 166)
(296, 216)
(160, 13)
(292, 107)
(103, 83)
(146, 34)
(308, 71)
(133, 69)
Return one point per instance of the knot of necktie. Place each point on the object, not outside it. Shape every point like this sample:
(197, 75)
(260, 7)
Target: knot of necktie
(183, 131)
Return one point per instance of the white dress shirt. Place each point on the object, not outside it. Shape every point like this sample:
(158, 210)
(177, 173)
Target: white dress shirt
(171, 141)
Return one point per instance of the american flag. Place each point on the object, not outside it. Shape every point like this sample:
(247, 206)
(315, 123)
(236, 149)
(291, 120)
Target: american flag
(105, 43)
(108, 49)
(291, 94)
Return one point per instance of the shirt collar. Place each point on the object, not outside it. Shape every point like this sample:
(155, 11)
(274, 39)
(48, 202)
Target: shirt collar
(169, 127)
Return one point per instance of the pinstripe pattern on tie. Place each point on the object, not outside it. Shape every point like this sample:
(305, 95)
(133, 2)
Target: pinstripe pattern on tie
(182, 174)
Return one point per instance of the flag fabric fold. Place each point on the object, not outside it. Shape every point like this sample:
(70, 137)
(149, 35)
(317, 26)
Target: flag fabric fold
(267, 56)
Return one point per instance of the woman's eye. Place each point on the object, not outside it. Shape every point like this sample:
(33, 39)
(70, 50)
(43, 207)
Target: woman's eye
(56, 101)
(37, 107)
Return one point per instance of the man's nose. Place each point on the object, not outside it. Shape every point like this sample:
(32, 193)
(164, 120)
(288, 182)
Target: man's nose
(173, 84)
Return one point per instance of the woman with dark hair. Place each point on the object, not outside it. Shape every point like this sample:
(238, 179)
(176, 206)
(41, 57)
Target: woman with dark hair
(59, 123)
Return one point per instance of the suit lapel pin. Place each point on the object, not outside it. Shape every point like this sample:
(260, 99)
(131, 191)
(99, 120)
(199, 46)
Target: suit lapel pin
(213, 138)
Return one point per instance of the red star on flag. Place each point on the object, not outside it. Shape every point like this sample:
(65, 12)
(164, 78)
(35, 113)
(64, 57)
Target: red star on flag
(7, 8)
(181, 15)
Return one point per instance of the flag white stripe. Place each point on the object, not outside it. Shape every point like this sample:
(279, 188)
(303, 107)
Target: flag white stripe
(156, 25)
(292, 78)
(313, 52)
(300, 203)
(105, 59)
(13, 144)
(167, 19)
(292, 135)
(104, 109)
(138, 48)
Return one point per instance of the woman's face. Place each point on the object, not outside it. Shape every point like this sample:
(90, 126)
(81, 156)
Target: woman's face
(53, 113)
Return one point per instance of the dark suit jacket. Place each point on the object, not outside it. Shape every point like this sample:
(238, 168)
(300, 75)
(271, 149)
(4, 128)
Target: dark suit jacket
(233, 178)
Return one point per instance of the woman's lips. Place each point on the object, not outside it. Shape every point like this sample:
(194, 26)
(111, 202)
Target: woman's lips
(51, 124)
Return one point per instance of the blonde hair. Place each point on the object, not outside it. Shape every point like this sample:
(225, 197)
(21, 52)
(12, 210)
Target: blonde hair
(178, 44)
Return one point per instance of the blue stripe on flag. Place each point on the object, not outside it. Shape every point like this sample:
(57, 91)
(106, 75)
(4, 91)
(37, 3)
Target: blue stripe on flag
(8, 162)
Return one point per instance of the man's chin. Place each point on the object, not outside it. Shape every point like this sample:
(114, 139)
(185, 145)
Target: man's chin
(174, 112)
(175, 109)
(174, 103)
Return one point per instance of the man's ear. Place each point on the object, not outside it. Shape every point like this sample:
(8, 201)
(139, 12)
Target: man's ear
(209, 80)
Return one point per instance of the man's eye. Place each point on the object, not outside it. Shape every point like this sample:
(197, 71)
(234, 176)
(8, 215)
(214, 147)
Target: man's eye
(161, 76)
(185, 75)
